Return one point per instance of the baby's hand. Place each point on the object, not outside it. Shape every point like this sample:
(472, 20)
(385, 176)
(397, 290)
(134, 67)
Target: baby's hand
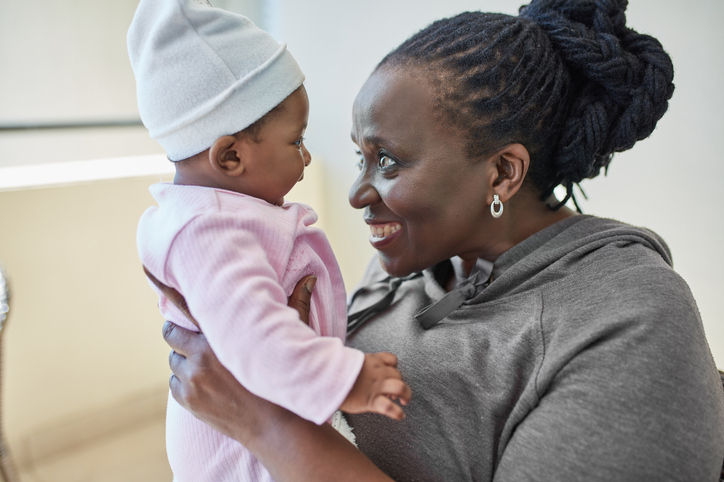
(377, 383)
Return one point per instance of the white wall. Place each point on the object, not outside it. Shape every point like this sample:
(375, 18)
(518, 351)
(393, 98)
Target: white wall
(671, 182)
(61, 61)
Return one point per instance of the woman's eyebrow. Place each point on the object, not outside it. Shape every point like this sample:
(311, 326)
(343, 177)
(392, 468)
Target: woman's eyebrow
(374, 141)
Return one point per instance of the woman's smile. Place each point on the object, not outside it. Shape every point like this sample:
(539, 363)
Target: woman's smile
(384, 230)
(382, 235)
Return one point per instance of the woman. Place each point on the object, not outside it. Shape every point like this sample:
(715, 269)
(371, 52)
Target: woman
(538, 343)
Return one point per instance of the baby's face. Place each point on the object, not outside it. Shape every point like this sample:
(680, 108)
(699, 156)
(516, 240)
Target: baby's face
(276, 163)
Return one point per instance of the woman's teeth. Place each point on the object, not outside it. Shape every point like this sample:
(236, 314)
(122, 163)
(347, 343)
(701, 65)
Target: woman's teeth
(380, 231)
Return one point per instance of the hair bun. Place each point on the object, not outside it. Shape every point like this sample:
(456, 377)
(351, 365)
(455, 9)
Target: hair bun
(606, 16)
(622, 80)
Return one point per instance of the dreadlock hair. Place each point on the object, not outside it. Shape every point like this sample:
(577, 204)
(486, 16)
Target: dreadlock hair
(565, 78)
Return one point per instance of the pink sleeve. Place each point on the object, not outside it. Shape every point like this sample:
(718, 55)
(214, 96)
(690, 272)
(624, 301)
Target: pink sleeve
(235, 294)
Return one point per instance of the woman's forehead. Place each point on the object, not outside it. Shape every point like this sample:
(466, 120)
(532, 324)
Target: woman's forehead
(393, 104)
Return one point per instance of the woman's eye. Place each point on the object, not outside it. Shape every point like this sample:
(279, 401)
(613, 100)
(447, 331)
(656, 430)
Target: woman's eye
(386, 161)
(361, 161)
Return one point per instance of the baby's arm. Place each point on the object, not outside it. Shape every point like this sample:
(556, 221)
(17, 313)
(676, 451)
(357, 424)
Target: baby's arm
(378, 381)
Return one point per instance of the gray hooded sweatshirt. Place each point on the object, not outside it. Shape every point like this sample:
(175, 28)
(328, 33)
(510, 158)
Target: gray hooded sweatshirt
(584, 359)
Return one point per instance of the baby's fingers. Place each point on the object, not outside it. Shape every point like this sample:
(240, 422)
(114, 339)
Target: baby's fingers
(397, 389)
(387, 358)
(383, 405)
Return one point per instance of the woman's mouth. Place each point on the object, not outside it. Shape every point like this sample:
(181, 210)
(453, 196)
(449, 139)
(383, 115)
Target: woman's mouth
(382, 234)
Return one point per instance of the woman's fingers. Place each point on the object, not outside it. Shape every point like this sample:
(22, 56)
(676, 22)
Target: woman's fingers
(181, 340)
(177, 389)
(176, 362)
(200, 383)
(301, 297)
(173, 296)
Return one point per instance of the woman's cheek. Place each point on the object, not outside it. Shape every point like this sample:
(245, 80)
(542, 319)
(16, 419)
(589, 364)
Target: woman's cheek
(410, 202)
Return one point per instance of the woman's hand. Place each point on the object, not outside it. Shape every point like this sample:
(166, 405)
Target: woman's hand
(203, 386)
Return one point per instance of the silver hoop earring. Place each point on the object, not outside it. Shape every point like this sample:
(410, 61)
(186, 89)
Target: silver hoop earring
(499, 212)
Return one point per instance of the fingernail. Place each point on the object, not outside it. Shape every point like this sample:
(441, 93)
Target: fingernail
(309, 284)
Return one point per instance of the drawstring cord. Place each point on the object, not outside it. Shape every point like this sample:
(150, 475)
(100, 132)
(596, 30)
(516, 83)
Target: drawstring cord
(355, 320)
(428, 316)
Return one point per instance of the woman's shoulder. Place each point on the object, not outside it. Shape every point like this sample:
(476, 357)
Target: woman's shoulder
(609, 267)
(622, 300)
(600, 279)
(632, 264)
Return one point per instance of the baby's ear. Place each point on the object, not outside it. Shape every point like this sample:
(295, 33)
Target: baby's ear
(225, 156)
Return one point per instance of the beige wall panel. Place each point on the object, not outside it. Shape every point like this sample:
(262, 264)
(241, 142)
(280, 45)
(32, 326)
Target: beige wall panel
(83, 329)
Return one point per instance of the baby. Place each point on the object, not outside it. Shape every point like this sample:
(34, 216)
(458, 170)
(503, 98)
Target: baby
(227, 104)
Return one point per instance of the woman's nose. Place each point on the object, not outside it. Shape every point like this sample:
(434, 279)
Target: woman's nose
(362, 193)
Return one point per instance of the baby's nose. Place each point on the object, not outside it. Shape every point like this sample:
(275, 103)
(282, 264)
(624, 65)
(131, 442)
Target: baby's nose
(307, 157)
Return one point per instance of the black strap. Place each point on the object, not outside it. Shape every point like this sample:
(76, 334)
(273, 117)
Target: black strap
(428, 316)
(432, 314)
(357, 319)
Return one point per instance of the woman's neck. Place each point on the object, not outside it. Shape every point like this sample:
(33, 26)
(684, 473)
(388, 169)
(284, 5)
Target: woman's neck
(524, 216)
(525, 219)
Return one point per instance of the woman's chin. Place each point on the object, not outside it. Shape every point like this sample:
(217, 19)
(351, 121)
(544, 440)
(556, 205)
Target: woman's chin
(394, 267)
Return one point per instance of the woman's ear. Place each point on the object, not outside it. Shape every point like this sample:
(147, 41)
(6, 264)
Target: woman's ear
(511, 167)
(225, 156)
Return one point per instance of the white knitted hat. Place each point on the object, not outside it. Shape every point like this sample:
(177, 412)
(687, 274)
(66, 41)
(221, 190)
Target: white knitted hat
(203, 73)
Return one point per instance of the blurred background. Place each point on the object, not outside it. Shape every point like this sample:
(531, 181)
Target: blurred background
(85, 372)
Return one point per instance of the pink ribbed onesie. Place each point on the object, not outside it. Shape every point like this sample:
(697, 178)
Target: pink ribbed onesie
(236, 259)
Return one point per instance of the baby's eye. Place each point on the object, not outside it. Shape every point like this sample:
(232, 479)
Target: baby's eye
(299, 142)
(386, 161)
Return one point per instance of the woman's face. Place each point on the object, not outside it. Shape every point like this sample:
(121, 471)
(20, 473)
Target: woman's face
(423, 198)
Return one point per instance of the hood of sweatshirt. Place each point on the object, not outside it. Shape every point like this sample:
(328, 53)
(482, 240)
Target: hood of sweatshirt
(556, 251)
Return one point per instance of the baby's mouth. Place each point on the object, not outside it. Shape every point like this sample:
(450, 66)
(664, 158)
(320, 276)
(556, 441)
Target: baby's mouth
(384, 230)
